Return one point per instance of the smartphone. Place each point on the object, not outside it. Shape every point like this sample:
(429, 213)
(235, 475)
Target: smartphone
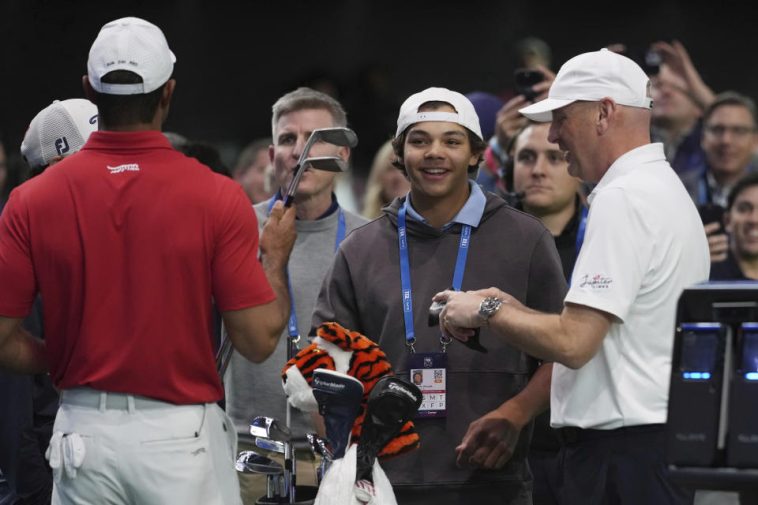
(524, 79)
(712, 213)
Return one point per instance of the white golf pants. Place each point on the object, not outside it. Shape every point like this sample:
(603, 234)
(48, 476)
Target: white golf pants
(120, 449)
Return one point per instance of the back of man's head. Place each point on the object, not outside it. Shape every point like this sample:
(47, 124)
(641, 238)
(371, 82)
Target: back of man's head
(307, 98)
(129, 64)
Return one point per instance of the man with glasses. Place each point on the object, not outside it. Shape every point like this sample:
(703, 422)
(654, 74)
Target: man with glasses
(729, 140)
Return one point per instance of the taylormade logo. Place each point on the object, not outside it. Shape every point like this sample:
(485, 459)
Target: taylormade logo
(326, 384)
(127, 167)
(690, 437)
(398, 387)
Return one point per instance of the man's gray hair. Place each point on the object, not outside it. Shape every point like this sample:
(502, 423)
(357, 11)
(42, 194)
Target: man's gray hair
(307, 98)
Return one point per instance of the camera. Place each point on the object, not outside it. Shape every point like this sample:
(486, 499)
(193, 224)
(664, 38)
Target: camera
(524, 79)
(648, 59)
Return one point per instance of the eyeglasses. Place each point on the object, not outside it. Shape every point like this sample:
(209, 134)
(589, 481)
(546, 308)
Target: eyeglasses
(718, 130)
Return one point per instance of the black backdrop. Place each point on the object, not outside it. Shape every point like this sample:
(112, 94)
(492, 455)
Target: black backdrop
(235, 58)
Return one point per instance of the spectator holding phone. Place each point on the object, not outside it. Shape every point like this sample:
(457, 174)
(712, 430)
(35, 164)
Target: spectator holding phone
(680, 96)
(531, 80)
(741, 221)
(730, 137)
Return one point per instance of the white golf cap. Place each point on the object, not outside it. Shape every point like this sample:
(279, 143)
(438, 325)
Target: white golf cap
(592, 77)
(131, 44)
(464, 115)
(59, 129)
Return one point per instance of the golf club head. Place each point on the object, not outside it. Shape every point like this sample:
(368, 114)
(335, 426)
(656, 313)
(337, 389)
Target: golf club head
(320, 446)
(269, 445)
(339, 402)
(391, 403)
(268, 427)
(326, 163)
(252, 462)
(337, 135)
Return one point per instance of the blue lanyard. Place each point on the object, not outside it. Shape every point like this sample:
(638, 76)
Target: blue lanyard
(292, 324)
(704, 194)
(581, 230)
(405, 270)
(580, 236)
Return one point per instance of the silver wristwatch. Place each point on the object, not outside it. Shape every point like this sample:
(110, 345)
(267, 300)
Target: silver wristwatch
(489, 306)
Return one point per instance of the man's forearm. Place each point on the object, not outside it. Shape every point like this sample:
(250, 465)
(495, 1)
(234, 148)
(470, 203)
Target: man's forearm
(571, 338)
(21, 352)
(276, 274)
(533, 400)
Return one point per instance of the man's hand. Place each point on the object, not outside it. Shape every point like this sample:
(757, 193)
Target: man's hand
(488, 442)
(278, 235)
(509, 121)
(460, 317)
(678, 60)
(718, 242)
(20, 352)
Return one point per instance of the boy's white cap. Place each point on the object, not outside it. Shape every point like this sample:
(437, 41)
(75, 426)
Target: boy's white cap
(130, 44)
(592, 77)
(59, 129)
(464, 115)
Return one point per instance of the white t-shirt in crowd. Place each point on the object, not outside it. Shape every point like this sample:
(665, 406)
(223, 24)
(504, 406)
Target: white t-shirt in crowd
(644, 244)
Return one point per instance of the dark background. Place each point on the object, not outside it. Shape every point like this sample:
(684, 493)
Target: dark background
(234, 59)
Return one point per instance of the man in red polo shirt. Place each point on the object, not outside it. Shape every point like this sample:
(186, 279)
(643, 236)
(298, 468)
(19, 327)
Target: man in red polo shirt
(128, 242)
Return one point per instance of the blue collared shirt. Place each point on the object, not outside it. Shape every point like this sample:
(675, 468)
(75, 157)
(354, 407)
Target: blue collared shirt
(471, 213)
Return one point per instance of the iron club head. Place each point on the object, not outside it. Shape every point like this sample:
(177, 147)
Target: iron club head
(268, 427)
(252, 462)
(269, 445)
(337, 135)
(327, 163)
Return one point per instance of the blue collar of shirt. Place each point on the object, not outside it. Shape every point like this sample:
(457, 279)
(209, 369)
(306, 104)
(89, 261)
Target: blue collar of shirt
(471, 213)
(332, 208)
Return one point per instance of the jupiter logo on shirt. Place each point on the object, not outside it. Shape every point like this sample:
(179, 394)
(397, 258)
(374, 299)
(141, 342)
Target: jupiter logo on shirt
(127, 167)
(596, 281)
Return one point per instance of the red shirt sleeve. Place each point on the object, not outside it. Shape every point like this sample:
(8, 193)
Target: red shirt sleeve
(239, 281)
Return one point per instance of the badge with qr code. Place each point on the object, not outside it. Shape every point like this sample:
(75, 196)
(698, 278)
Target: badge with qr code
(428, 371)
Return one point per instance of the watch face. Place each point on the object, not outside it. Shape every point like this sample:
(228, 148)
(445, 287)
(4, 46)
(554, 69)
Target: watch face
(489, 306)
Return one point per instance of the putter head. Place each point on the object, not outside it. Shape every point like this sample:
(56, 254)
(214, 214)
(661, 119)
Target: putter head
(327, 163)
(339, 399)
(268, 427)
(391, 403)
(337, 135)
(269, 445)
(252, 462)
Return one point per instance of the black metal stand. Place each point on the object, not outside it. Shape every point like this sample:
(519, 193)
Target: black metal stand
(722, 479)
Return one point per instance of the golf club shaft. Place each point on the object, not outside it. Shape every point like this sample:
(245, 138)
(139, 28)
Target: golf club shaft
(224, 354)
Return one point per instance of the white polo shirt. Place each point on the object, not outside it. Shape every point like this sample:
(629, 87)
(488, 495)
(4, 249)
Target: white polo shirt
(644, 244)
